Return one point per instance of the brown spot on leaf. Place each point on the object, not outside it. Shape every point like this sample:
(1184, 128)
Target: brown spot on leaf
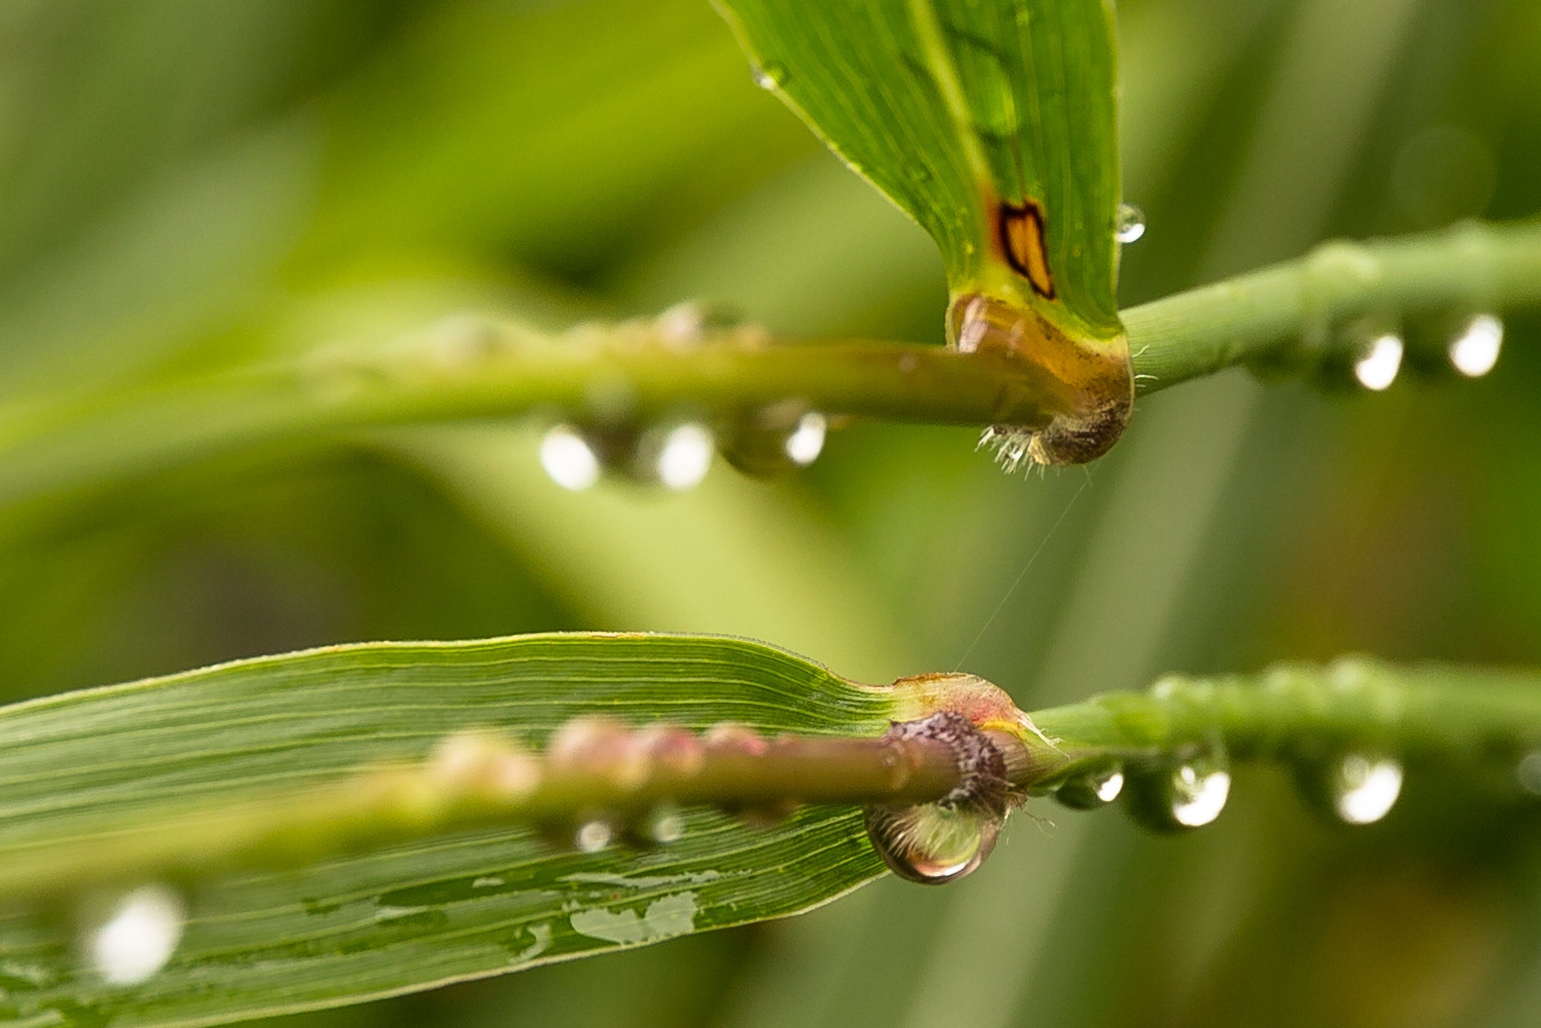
(1025, 245)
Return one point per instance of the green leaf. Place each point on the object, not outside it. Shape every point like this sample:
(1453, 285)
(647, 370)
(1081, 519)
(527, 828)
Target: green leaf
(404, 916)
(993, 123)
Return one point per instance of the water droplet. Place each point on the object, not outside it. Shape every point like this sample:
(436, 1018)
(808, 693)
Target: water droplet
(1198, 794)
(684, 456)
(1092, 790)
(771, 75)
(1176, 798)
(569, 458)
(664, 824)
(939, 842)
(1475, 350)
(1130, 223)
(594, 835)
(1528, 772)
(138, 935)
(778, 438)
(806, 442)
(1378, 368)
(931, 844)
(1365, 788)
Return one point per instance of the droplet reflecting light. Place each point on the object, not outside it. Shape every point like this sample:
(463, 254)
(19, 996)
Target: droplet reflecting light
(931, 844)
(1475, 350)
(685, 457)
(806, 442)
(139, 936)
(568, 459)
(593, 836)
(1378, 368)
(1365, 788)
(1093, 790)
(1198, 796)
(1131, 223)
(772, 75)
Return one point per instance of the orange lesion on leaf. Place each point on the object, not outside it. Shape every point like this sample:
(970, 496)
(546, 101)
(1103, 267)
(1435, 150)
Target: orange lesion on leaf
(1023, 240)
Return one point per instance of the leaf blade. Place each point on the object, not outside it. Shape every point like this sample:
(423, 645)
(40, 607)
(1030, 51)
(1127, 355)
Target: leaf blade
(411, 915)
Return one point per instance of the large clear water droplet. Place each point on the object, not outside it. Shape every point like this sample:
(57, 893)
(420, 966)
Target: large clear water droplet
(1182, 796)
(1475, 350)
(569, 458)
(777, 439)
(931, 844)
(1378, 368)
(934, 843)
(1365, 788)
(137, 936)
(1092, 790)
(1129, 226)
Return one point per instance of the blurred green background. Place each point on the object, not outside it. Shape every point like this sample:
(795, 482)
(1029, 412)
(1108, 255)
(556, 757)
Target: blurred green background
(190, 183)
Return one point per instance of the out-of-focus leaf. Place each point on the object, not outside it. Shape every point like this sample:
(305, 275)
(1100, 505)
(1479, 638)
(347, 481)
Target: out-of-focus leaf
(402, 917)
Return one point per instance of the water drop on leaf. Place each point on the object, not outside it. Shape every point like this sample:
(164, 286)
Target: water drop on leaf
(771, 75)
(137, 936)
(1130, 224)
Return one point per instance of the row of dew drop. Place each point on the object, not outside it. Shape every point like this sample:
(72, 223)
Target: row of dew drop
(678, 456)
(1372, 352)
(937, 844)
(677, 453)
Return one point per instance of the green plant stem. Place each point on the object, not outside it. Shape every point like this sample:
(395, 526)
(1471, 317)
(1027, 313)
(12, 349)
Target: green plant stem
(1436, 713)
(472, 779)
(1284, 314)
(480, 370)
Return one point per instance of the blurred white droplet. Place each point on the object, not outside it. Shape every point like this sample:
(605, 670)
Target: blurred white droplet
(1378, 368)
(806, 442)
(593, 836)
(1366, 788)
(1475, 350)
(772, 75)
(1130, 225)
(138, 936)
(685, 456)
(1198, 797)
(568, 459)
(1106, 787)
(1529, 772)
